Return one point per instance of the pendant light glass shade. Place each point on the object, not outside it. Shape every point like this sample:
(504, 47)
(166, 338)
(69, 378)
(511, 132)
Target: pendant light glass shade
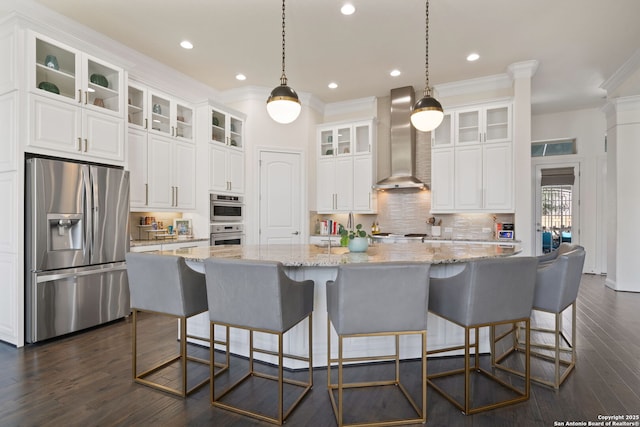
(427, 113)
(283, 104)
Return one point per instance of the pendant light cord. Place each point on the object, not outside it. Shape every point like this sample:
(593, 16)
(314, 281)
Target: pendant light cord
(427, 89)
(283, 78)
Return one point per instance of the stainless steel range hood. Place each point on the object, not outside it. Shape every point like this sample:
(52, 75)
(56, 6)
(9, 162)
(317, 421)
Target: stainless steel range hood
(403, 143)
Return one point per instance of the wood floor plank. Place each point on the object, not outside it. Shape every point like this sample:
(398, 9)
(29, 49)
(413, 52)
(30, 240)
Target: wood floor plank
(85, 379)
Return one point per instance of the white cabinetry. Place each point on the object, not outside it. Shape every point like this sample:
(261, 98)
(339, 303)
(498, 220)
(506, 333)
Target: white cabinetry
(472, 161)
(225, 133)
(345, 168)
(162, 154)
(442, 180)
(489, 123)
(76, 102)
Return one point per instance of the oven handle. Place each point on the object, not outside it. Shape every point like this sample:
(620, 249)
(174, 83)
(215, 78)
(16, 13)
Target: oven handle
(232, 204)
(225, 236)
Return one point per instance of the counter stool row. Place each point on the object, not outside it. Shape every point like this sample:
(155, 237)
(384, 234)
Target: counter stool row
(384, 299)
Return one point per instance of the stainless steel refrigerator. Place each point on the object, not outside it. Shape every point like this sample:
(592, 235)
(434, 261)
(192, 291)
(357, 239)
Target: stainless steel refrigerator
(76, 237)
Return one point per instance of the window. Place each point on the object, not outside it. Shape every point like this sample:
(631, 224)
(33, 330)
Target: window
(558, 147)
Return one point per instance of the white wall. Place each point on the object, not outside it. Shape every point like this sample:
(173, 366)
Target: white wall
(588, 127)
(262, 132)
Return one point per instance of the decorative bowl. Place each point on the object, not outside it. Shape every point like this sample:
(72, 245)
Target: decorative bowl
(52, 62)
(49, 87)
(99, 80)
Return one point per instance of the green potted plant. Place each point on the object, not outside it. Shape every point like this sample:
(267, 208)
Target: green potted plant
(357, 240)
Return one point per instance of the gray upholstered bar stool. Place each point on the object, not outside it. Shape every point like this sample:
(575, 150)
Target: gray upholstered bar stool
(556, 290)
(547, 258)
(378, 299)
(485, 293)
(165, 285)
(258, 296)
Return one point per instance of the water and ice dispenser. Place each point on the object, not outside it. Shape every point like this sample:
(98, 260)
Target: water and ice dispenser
(65, 232)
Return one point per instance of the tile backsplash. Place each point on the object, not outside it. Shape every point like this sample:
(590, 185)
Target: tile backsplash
(408, 211)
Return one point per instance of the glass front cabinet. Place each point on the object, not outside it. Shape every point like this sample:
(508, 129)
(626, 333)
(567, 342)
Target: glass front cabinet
(345, 168)
(76, 101)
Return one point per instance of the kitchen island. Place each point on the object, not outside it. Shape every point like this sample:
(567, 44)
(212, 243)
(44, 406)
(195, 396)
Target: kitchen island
(320, 263)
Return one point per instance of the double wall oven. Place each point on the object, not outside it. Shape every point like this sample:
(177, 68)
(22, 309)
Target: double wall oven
(226, 216)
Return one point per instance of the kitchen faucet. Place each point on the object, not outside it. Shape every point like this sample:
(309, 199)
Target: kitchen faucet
(350, 221)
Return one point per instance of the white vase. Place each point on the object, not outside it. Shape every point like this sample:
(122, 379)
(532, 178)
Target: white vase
(358, 244)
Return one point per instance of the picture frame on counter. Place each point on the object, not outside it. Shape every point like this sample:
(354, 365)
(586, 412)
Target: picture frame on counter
(182, 227)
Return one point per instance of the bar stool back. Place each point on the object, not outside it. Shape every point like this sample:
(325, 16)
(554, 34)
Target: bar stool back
(557, 285)
(165, 285)
(259, 296)
(378, 300)
(486, 293)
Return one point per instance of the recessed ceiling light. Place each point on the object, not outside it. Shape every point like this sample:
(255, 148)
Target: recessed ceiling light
(395, 73)
(473, 57)
(241, 76)
(347, 9)
(186, 44)
(333, 85)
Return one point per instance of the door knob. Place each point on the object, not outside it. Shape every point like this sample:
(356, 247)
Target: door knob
(295, 233)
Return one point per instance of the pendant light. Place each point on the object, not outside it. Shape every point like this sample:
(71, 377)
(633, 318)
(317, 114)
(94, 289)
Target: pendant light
(427, 113)
(283, 105)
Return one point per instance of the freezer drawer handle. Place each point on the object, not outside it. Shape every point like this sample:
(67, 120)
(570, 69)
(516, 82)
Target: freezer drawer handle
(59, 276)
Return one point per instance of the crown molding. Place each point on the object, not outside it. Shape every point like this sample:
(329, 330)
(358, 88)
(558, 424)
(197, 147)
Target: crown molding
(480, 84)
(623, 73)
(368, 105)
(523, 69)
(261, 94)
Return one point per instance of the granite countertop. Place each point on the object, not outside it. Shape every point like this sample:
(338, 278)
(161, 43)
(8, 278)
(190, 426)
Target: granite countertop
(316, 256)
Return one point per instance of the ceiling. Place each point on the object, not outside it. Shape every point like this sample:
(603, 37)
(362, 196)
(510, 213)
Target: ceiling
(578, 43)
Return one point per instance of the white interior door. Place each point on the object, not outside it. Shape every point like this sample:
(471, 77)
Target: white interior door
(557, 205)
(281, 206)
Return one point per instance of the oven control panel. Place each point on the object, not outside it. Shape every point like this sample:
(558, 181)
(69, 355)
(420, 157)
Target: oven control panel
(226, 228)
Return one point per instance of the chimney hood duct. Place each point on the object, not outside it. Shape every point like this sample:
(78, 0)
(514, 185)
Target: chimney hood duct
(403, 143)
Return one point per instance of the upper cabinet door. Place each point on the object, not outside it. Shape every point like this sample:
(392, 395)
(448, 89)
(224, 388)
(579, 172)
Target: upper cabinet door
(137, 107)
(102, 84)
(442, 136)
(497, 123)
(160, 114)
(468, 127)
(55, 69)
(363, 138)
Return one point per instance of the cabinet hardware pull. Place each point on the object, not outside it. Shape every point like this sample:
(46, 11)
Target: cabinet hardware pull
(176, 196)
(79, 144)
(86, 97)
(146, 194)
(146, 123)
(173, 131)
(79, 96)
(86, 144)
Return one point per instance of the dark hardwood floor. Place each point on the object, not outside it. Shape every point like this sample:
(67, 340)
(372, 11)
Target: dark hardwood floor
(85, 380)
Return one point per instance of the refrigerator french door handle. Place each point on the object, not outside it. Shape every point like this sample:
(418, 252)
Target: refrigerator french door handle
(88, 211)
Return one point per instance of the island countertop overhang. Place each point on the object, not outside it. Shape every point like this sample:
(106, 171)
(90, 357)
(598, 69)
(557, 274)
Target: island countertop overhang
(317, 256)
